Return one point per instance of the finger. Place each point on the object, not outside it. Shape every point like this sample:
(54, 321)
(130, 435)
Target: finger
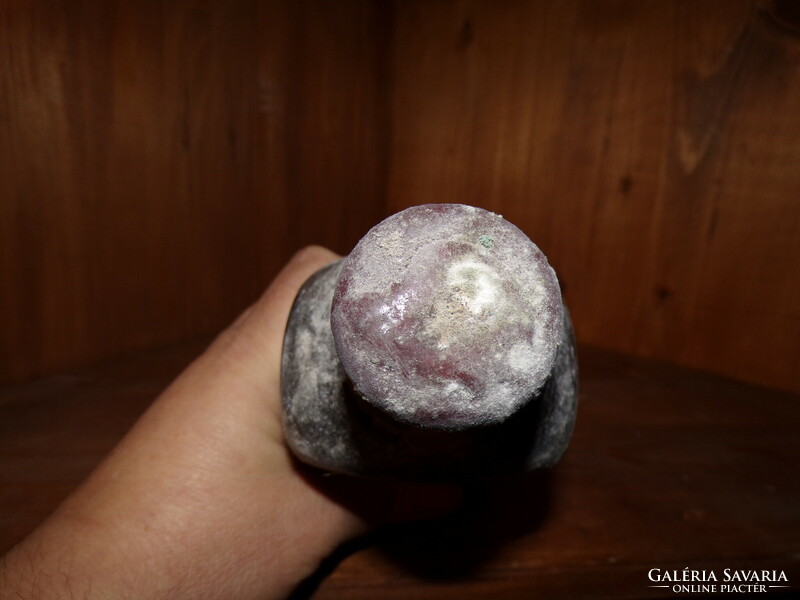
(237, 377)
(271, 311)
(251, 347)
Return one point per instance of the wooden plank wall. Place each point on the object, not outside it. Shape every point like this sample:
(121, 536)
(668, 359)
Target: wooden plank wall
(160, 160)
(651, 149)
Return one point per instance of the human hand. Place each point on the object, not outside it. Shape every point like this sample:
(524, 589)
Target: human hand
(202, 499)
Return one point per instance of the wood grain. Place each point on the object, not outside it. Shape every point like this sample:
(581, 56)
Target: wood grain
(668, 468)
(160, 161)
(651, 149)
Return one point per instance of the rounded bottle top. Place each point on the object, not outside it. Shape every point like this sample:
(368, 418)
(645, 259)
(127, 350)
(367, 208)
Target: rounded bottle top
(447, 316)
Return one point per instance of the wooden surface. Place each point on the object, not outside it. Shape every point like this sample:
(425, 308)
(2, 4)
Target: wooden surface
(668, 468)
(159, 161)
(651, 149)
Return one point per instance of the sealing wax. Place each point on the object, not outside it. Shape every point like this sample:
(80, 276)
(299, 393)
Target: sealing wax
(440, 348)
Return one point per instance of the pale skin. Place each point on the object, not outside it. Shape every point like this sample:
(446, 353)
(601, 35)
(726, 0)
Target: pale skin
(202, 499)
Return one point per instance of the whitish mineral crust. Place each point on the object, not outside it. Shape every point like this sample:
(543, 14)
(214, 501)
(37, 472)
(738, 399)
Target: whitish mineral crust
(439, 348)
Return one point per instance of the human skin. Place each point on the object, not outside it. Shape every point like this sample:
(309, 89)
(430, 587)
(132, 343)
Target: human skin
(201, 499)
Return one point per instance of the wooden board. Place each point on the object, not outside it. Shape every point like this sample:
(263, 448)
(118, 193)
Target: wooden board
(668, 468)
(651, 149)
(160, 161)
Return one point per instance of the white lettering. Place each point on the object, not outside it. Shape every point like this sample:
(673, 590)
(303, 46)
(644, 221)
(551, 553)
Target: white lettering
(742, 588)
(756, 576)
(693, 589)
(740, 580)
